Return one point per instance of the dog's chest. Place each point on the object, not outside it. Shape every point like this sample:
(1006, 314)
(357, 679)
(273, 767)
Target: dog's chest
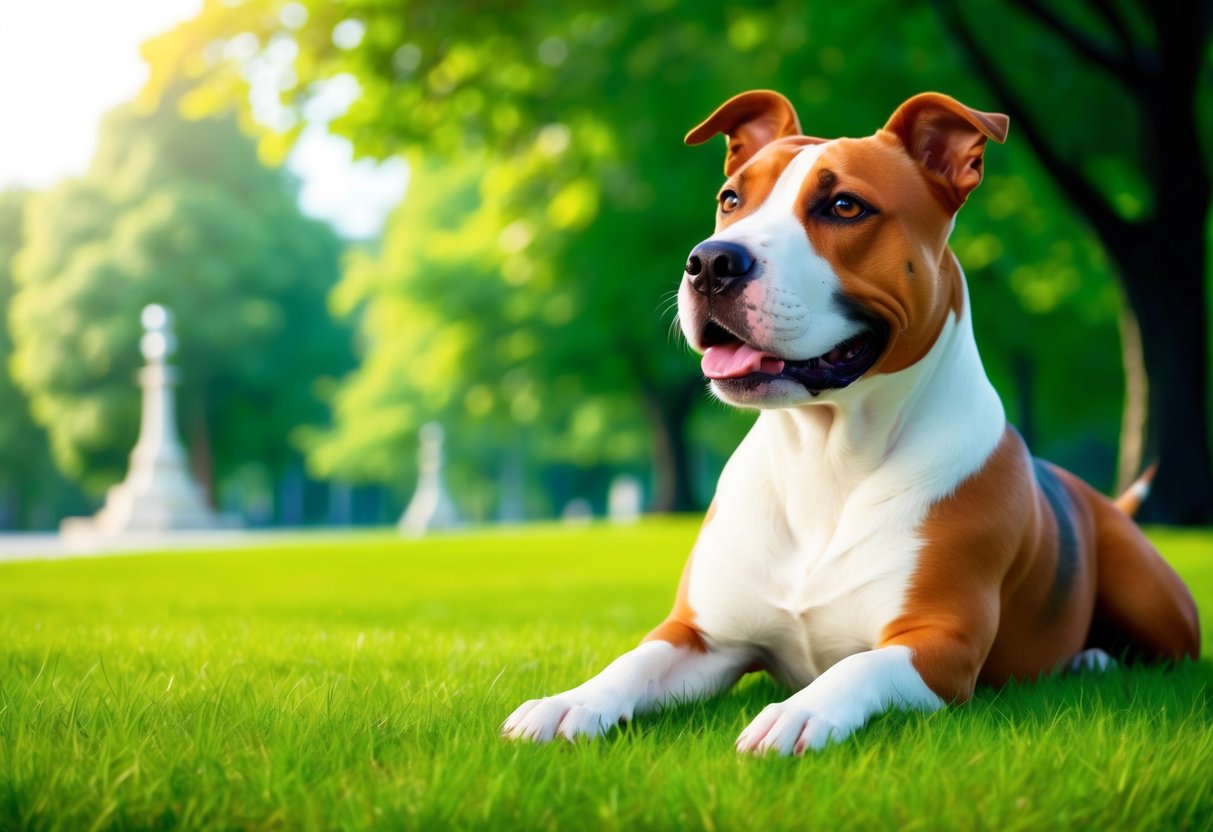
(801, 580)
(800, 612)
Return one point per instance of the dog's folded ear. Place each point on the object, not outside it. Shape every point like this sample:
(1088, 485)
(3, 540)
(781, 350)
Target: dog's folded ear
(947, 139)
(749, 122)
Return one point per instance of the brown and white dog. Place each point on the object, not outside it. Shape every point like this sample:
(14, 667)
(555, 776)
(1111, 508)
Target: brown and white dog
(881, 538)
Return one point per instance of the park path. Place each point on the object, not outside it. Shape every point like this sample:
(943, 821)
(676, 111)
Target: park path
(26, 546)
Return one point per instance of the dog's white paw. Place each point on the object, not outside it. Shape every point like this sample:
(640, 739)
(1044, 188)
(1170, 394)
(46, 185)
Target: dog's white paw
(839, 702)
(542, 720)
(790, 728)
(1092, 660)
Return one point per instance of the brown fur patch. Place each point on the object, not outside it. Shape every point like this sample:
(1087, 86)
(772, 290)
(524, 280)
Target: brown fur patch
(982, 604)
(870, 255)
(992, 599)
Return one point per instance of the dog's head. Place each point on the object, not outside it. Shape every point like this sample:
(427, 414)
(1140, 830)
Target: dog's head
(827, 264)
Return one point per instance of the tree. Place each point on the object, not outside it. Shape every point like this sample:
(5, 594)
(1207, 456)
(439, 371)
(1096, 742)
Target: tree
(1152, 215)
(465, 356)
(182, 214)
(29, 483)
(576, 114)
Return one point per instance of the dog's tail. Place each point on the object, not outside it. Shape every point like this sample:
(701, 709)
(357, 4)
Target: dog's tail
(1135, 494)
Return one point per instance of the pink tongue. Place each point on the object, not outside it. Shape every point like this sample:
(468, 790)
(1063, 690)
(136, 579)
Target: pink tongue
(737, 360)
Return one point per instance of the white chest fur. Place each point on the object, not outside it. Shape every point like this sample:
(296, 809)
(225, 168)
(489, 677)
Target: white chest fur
(816, 533)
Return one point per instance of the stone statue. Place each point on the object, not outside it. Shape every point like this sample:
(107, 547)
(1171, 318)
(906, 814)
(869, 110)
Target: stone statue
(431, 507)
(159, 494)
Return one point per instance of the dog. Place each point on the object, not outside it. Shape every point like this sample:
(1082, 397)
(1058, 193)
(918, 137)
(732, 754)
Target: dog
(882, 537)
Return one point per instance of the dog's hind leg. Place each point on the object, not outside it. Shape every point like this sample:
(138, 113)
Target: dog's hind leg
(1142, 607)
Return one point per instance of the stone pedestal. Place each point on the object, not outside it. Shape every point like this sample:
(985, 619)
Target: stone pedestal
(431, 507)
(159, 494)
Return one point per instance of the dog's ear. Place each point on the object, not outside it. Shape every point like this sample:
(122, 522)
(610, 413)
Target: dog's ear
(947, 139)
(749, 122)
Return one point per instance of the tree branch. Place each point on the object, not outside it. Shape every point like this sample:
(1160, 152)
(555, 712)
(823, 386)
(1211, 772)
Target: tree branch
(1108, 225)
(1136, 52)
(1119, 65)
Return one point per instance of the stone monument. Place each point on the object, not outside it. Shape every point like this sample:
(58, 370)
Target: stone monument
(625, 500)
(431, 507)
(159, 494)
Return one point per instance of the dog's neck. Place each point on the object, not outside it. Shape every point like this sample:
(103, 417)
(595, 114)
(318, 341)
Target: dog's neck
(942, 412)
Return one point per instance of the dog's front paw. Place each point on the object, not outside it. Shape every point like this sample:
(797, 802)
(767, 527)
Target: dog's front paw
(789, 728)
(541, 720)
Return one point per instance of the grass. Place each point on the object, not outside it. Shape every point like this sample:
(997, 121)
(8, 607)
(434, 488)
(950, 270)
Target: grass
(361, 683)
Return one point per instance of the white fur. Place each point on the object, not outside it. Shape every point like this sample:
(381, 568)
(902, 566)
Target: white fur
(1139, 490)
(1092, 660)
(653, 674)
(815, 537)
(840, 702)
(814, 540)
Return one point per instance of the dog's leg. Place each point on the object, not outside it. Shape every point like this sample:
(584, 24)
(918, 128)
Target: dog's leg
(654, 674)
(1141, 604)
(839, 702)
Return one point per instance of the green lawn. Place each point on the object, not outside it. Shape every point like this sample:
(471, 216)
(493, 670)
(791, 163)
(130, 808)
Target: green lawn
(361, 683)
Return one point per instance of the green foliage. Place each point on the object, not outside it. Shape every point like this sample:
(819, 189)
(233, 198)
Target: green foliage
(27, 474)
(185, 215)
(546, 141)
(360, 682)
(19, 437)
(459, 326)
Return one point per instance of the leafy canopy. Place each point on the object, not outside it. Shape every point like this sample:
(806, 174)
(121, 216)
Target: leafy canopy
(179, 213)
(553, 201)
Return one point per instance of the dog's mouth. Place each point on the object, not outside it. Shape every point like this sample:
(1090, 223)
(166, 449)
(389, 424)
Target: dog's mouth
(729, 359)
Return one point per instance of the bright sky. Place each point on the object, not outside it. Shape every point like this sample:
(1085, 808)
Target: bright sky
(64, 63)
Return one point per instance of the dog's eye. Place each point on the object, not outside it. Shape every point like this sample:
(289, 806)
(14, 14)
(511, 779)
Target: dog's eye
(847, 208)
(729, 200)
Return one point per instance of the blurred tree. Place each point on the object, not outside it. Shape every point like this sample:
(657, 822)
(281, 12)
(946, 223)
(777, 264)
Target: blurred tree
(30, 488)
(554, 132)
(1138, 172)
(467, 355)
(183, 214)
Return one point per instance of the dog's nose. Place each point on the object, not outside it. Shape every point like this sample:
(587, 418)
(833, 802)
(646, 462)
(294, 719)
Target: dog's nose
(716, 266)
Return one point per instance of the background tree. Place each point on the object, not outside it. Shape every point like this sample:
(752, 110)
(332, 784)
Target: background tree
(183, 214)
(587, 200)
(1150, 63)
(32, 493)
(465, 356)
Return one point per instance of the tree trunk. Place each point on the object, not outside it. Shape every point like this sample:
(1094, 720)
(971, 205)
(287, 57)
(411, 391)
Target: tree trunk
(201, 454)
(1165, 280)
(1162, 260)
(668, 412)
(1023, 371)
(1168, 279)
(10, 508)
